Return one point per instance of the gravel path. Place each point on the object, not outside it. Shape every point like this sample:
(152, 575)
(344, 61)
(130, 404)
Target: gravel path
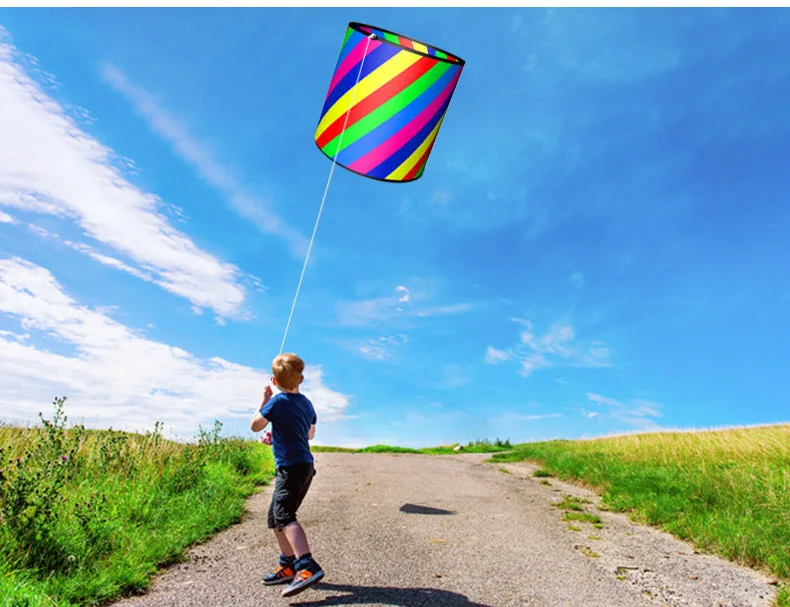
(452, 531)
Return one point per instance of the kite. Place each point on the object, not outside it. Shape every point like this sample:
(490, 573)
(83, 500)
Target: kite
(387, 99)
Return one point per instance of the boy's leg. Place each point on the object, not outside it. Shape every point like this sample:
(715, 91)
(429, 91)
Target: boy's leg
(297, 538)
(308, 571)
(286, 546)
(286, 570)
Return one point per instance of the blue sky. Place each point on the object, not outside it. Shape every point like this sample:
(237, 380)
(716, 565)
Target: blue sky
(598, 244)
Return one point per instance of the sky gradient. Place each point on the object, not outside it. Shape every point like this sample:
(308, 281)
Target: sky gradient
(599, 243)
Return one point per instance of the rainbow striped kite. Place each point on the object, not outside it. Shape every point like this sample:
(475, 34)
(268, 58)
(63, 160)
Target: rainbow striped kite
(399, 99)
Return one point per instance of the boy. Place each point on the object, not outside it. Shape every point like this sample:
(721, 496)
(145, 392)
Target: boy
(293, 420)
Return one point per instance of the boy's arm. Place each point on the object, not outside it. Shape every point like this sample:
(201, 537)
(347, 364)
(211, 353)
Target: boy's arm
(311, 433)
(259, 422)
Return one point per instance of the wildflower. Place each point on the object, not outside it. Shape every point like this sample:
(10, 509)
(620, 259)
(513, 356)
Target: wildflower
(64, 458)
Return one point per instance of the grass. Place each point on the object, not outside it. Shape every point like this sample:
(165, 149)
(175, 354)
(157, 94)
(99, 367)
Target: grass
(329, 449)
(88, 516)
(727, 491)
(587, 551)
(586, 517)
(387, 449)
(479, 446)
(572, 503)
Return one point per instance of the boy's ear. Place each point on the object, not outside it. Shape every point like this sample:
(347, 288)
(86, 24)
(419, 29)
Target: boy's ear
(301, 378)
(274, 380)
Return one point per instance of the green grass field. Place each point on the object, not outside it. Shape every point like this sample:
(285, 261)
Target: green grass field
(480, 446)
(90, 515)
(727, 492)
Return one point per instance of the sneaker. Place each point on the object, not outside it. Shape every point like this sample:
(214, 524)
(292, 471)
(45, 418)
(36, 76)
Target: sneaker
(281, 575)
(304, 579)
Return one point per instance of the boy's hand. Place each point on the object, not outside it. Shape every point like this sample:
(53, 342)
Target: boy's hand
(267, 394)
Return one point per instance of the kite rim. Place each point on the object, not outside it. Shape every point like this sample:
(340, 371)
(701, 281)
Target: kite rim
(382, 179)
(356, 25)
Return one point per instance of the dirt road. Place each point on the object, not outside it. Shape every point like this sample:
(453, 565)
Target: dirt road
(452, 531)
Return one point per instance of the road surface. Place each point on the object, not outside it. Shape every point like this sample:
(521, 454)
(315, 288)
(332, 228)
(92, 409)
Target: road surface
(453, 531)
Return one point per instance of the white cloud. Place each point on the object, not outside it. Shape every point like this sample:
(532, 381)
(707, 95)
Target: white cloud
(494, 356)
(602, 400)
(374, 351)
(41, 231)
(49, 165)
(114, 375)
(6, 218)
(387, 308)
(553, 341)
(111, 261)
(20, 337)
(444, 310)
(636, 412)
(537, 417)
(557, 346)
(197, 155)
(531, 363)
(597, 355)
(96, 255)
(137, 273)
(381, 348)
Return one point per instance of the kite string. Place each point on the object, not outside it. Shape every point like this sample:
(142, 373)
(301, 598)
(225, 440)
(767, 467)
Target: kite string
(326, 189)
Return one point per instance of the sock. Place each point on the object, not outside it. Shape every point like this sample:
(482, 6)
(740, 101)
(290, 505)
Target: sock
(304, 561)
(287, 561)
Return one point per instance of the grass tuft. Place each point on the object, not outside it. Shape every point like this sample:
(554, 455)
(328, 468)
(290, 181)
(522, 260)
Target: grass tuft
(570, 502)
(586, 517)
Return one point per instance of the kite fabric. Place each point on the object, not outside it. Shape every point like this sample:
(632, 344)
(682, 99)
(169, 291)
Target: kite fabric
(399, 103)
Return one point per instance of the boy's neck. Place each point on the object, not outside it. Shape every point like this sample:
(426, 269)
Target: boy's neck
(294, 391)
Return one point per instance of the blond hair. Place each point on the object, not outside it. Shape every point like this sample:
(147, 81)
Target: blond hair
(287, 370)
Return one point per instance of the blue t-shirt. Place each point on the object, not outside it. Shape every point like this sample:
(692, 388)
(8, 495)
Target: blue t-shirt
(291, 416)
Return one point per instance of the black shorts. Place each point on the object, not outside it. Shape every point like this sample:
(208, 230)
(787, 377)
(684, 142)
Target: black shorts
(290, 487)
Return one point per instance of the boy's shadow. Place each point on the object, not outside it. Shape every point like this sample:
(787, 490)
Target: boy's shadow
(416, 509)
(387, 595)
